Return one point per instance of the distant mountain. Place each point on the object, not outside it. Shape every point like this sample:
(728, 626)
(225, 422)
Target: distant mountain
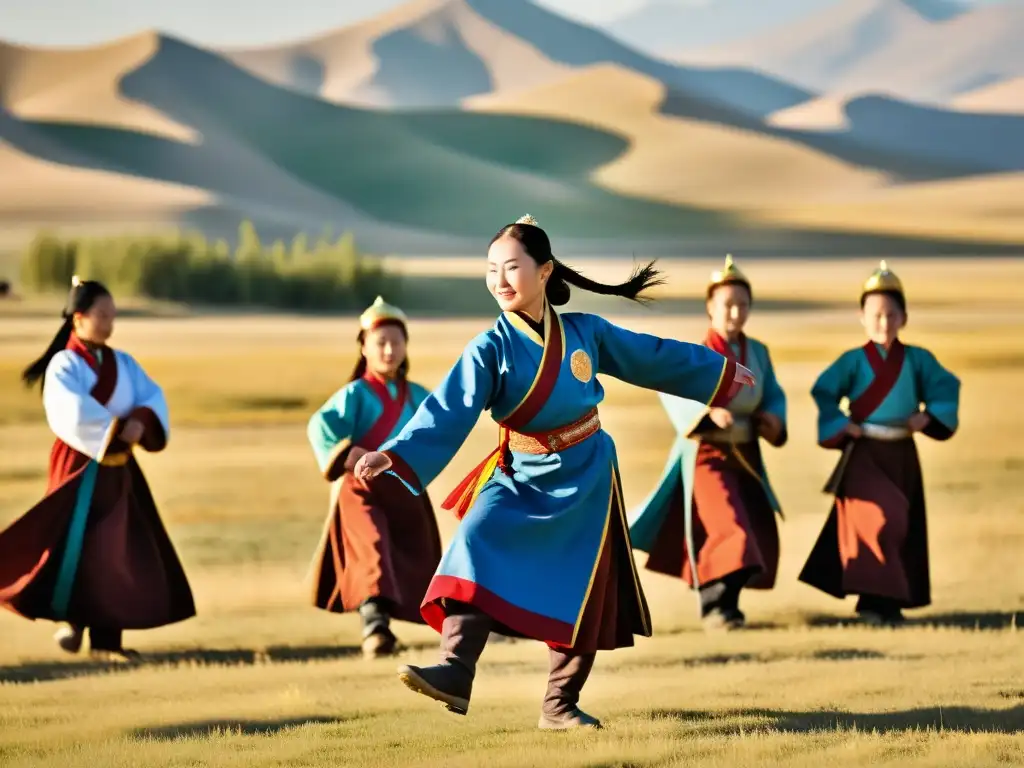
(435, 53)
(820, 50)
(666, 28)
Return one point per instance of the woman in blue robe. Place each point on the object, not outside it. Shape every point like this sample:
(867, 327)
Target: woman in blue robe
(875, 543)
(543, 550)
(379, 548)
(711, 519)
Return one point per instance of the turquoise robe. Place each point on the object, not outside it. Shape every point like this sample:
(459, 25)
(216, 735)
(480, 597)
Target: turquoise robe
(689, 420)
(348, 415)
(923, 384)
(527, 551)
(874, 542)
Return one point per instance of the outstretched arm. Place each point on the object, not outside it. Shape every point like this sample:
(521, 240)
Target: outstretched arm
(443, 421)
(690, 371)
(330, 432)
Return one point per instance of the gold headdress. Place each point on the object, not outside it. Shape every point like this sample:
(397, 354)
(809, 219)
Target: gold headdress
(379, 312)
(727, 275)
(528, 219)
(882, 279)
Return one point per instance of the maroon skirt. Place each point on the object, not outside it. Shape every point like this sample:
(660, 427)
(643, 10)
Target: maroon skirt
(379, 542)
(128, 575)
(734, 526)
(875, 540)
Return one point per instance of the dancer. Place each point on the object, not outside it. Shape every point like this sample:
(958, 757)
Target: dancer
(379, 547)
(94, 552)
(713, 511)
(874, 543)
(542, 551)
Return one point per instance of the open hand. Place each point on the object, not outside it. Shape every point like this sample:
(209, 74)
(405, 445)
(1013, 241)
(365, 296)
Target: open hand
(355, 453)
(132, 431)
(918, 422)
(744, 376)
(722, 417)
(370, 465)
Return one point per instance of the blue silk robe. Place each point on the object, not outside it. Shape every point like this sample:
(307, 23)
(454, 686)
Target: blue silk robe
(527, 551)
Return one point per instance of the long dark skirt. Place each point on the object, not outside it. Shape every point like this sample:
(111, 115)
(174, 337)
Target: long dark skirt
(875, 540)
(380, 542)
(734, 528)
(128, 575)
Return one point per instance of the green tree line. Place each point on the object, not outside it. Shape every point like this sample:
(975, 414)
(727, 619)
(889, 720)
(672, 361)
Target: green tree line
(329, 274)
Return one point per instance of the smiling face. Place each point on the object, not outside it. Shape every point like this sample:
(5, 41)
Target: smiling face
(882, 318)
(729, 308)
(384, 350)
(96, 324)
(514, 279)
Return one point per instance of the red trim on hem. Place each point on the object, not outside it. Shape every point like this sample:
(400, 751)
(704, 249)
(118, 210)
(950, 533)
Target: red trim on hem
(520, 620)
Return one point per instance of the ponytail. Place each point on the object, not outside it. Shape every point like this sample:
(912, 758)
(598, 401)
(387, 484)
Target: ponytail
(37, 370)
(644, 276)
(81, 297)
(536, 243)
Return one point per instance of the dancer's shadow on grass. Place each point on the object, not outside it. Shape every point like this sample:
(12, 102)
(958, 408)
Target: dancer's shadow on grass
(958, 719)
(45, 670)
(206, 728)
(976, 620)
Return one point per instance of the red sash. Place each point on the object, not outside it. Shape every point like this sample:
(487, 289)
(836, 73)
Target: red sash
(464, 494)
(719, 344)
(393, 407)
(887, 371)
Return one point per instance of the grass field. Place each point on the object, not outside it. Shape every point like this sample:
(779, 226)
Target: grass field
(259, 678)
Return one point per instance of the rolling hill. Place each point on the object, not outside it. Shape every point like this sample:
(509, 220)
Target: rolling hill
(902, 48)
(435, 53)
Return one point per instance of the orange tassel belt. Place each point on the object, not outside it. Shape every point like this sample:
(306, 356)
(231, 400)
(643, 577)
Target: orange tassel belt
(538, 443)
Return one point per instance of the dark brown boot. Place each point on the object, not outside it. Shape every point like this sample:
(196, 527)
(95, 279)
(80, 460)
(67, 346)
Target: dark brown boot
(463, 637)
(569, 672)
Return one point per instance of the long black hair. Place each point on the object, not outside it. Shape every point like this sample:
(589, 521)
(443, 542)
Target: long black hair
(360, 370)
(536, 243)
(81, 297)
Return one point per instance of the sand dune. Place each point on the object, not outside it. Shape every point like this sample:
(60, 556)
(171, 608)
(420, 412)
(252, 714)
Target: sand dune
(375, 62)
(1006, 96)
(678, 159)
(820, 49)
(81, 86)
(432, 53)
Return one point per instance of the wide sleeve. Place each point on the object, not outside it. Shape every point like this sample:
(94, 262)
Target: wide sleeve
(773, 398)
(330, 431)
(74, 415)
(828, 391)
(432, 437)
(690, 371)
(940, 396)
(150, 406)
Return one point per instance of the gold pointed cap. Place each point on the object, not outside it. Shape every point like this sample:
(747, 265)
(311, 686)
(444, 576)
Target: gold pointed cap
(729, 273)
(882, 279)
(380, 311)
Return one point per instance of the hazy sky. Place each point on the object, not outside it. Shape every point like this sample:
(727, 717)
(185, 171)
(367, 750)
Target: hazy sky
(223, 22)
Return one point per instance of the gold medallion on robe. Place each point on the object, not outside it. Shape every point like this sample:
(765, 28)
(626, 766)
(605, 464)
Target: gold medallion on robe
(580, 365)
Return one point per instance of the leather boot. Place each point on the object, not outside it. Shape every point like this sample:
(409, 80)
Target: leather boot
(69, 638)
(378, 639)
(463, 637)
(569, 672)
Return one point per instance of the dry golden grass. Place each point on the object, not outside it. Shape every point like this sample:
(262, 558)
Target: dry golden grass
(259, 678)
